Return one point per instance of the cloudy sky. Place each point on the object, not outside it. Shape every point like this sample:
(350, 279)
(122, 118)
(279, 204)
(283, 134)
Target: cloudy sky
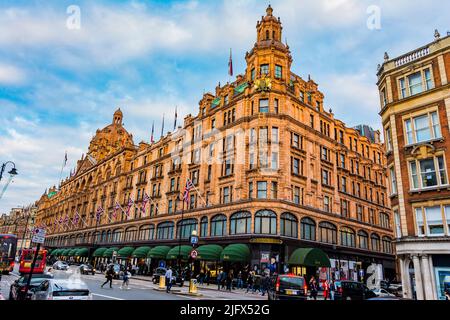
(59, 84)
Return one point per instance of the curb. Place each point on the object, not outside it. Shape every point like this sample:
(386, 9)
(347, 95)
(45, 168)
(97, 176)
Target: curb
(171, 291)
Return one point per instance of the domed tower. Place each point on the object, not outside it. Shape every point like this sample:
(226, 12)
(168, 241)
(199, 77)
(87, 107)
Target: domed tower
(118, 116)
(270, 57)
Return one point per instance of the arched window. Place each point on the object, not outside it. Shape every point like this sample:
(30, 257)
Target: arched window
(240, 223)
(266, 222)
(165, 231)
(204, 227)
(328, 233)
(375, 242)
(347, 237)
(267, 34)
(117, 235)
(108, 236)
(363, 240)
(185, 228)
(130, 234)
(147, 233)
(218, 226)
(289, 225)
(103, 236)
(387, 245)
(97, 237)
(308, 229)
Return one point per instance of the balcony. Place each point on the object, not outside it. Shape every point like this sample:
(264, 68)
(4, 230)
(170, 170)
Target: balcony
(412, 56)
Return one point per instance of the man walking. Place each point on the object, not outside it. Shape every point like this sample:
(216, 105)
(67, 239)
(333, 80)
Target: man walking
(109, 277)
(126, 279)
(168, 279)
(250, 282)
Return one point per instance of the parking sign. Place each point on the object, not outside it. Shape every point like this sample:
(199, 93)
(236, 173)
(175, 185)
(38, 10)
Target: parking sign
(38, 236)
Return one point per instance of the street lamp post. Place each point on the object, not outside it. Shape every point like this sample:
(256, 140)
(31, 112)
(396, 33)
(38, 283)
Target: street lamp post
(25, 231)
(12, 172)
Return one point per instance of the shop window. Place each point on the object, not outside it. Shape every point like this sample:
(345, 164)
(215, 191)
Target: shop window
(265, 222)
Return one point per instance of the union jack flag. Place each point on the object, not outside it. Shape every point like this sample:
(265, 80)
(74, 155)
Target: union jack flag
(130, 204)
(146, 200)
(116, 207)
(100, 211)
(187, 190)
(76, 218)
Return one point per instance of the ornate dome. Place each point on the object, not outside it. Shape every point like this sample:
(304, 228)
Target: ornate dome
(110, 139)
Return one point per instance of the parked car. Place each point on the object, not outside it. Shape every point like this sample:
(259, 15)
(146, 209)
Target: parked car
(60, 265)
(18, 287)
(161, 272)
(388, 299)
(87, 269)
(59, 289)
(287, 287)
(352, 290)
(380, 292)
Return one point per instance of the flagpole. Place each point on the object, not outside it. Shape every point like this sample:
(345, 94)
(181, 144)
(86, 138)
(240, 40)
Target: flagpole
(63, 165)
(199, 194)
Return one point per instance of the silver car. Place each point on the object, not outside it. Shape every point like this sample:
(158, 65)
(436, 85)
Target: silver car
(59, 289)
(60, 265)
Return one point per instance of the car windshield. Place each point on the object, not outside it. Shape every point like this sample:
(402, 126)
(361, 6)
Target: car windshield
(38, 278)
(291, 282)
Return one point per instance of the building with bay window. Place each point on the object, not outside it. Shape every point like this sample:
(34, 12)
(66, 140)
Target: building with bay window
(273, 171)
(415, 99)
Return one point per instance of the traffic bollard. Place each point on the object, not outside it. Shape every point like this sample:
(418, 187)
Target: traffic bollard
(162, 282)
(193, 286)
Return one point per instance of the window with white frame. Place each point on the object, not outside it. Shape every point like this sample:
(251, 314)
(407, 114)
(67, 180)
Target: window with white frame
(389, 144)
(431, 222)
(423, 128)
(393, 178)
(416, 83)
(428, 173)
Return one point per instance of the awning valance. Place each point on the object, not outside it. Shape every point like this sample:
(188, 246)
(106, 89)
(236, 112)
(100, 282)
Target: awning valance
(210, 252)
(98, 253)
(309, 257)
(236, 253)
(141, 252)
(125, 252)
(185, 252)
(159, 252)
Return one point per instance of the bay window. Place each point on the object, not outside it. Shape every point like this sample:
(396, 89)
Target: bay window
(428, 173)
(423, 128)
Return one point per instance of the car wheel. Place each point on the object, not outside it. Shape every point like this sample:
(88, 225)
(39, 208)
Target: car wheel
(154, 281)
(348, 298)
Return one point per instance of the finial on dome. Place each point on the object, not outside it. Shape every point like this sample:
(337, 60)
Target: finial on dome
(269, 10)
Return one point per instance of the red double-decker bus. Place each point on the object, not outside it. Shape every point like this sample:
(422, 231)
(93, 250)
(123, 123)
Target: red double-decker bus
(26, 261)
(8, 246)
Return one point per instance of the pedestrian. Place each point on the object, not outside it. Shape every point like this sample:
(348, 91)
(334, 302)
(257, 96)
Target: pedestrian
(249, 282)
(332, 289)
(168, 276)
(201, 277)
(265, 284)
(257, 284)
(126, 280)
(326, 289)
(313, 288)
(240, 282)
(109, 277)
(229, 281)
(208, 277)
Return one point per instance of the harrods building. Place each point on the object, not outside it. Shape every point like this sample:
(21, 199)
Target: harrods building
(274, 171)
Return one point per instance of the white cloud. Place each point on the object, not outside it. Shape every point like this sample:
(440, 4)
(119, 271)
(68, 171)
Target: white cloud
(11, 75)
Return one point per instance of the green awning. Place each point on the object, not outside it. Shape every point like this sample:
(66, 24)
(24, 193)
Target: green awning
(98, 253)
(49, 251)
(240, 88)
(65, 252)
(52, 194)
(83, 252)
(159, 252)
(174, 252)
(309, 257)
(210, 252)
(140, 252)
(56, 252)
(72, 252)
(236, 253)
(215, 102)
(108, 253)
(125, 252)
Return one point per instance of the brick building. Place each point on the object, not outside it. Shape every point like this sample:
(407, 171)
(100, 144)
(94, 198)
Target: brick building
(272, 169)
(415, 99)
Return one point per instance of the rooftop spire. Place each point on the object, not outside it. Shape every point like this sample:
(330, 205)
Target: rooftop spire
(269, 10)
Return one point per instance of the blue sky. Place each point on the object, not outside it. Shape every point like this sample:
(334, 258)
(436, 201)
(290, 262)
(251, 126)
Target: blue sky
(57, 86)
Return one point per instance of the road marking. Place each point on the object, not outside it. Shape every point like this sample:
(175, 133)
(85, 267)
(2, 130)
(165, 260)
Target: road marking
(109, 297)
(181, 296)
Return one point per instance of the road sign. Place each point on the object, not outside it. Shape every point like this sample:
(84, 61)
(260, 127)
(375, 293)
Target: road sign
(194, 240)
(194, 254)
(38, 235)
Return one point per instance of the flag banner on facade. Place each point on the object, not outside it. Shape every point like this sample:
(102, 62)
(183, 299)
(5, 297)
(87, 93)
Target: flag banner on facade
(152, 140)
(230, 65)
(76, 219)
(144, 204)
(187, 190)
(116, 207)
(100, 211)
(130, 204)
(176, 116)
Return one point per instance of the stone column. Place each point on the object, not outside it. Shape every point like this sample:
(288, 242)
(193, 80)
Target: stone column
(427, 285)
(418, 277)
(404, 276)
(433, 277)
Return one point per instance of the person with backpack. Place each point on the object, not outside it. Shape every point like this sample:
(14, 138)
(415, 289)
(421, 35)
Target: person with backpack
(109, 277)
(126, 279)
